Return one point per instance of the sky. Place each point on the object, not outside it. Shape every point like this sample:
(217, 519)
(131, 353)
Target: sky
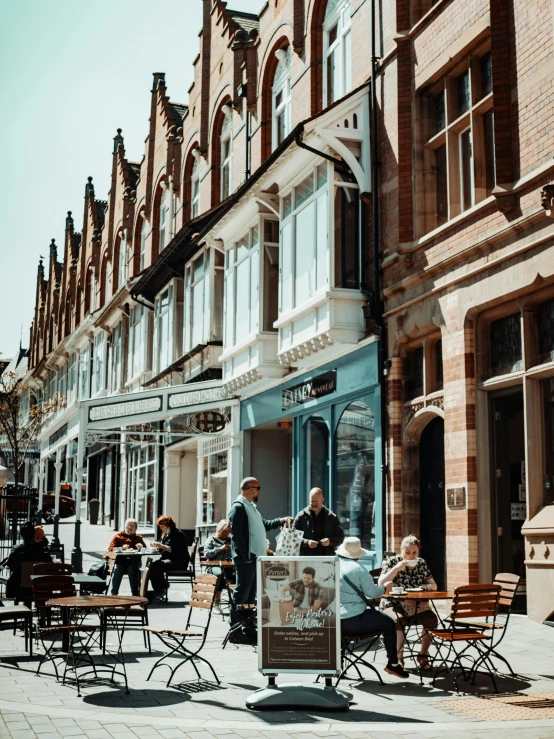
(73, 72)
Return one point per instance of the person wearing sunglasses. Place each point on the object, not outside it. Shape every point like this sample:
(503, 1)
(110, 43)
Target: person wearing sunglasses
(248, 542)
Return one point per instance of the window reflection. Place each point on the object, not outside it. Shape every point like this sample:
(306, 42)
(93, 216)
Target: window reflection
(355, 472)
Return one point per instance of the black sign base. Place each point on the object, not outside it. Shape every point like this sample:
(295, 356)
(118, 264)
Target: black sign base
(295, 695)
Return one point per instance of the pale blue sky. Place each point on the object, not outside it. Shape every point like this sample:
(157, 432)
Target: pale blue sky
(74, 71)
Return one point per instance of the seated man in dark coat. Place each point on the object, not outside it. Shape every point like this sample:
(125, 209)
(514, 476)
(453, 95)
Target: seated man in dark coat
(28, 551)
(321, 527)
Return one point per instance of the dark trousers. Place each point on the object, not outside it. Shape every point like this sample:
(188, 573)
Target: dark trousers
(373, 620)
(158, 571)
(126, 566)
(245, 592)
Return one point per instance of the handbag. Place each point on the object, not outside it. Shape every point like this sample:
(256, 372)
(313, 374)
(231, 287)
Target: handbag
(289, 541)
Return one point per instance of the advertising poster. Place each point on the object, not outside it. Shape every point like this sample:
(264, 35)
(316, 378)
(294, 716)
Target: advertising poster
(298, 615)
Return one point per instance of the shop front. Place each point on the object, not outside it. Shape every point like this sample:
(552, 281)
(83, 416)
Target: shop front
(321, 429)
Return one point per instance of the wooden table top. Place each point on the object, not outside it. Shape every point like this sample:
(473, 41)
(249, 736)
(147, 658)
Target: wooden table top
(132, 553)
(99, 601)
(422, 595)
(216, 563)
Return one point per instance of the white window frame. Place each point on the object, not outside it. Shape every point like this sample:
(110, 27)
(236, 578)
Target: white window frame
(195, 189)
(116, 358)
(281, 86)
(164, 339)
(320, 273)
(463, 205)
(226, 163)
(244, 252)
(340, 15)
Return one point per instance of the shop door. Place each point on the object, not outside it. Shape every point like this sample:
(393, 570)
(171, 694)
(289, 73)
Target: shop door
(432, 506)
(508, 484)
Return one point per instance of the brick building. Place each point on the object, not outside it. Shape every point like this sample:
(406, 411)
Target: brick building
(231, 269)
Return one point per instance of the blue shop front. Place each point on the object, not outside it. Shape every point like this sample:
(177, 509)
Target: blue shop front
(321, 429)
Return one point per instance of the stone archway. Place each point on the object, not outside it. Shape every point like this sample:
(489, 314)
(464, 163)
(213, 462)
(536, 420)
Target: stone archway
(423, 505)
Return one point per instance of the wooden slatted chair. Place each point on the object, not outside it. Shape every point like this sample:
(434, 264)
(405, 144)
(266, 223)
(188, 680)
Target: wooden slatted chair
(12, 616)
(52, 568)
(133, 615)
(176, 641)
(470, 602)
(508, 588)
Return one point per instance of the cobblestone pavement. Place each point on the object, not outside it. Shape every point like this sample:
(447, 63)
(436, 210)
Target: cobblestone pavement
(38, 706)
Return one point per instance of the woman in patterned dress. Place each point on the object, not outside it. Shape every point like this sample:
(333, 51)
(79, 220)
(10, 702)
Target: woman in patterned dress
(407, 576)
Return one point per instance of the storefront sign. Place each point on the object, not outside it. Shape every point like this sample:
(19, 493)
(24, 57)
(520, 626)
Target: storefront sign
(298, 620)
(197, 397)
(58, 435)
(125, 408)
(208, 422)
(317, 387)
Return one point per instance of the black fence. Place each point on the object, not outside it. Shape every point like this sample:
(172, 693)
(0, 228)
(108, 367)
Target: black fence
(17, 505)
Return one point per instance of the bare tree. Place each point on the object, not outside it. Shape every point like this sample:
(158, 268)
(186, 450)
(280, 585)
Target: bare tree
(20, 426)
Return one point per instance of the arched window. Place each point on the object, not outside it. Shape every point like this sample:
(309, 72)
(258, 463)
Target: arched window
(355, 472)
(226, 152)
(163, 226)
(122, 261)
(142, 247)
(195, 185)
(337, 51)
(281, 98)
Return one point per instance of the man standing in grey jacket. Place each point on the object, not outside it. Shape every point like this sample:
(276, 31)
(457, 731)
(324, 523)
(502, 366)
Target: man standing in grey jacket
(248, 542)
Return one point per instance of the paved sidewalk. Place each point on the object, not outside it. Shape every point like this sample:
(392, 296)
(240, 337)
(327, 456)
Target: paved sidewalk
(38, 706)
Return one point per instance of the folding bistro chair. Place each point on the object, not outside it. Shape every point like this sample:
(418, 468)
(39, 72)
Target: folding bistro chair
(189, 574)
(52, 568)
(469, 602)
(11, 616)
(134, 615)
(352, 659)
(52, 626)
(201, 599)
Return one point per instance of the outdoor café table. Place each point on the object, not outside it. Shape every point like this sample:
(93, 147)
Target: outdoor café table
(418, 597)
(76, 608)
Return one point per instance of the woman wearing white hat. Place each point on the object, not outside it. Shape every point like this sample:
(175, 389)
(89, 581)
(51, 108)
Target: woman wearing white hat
(357, 615)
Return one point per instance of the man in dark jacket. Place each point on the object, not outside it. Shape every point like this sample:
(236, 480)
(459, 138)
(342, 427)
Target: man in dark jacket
(321, 527)
(28, 551)
(248, 542)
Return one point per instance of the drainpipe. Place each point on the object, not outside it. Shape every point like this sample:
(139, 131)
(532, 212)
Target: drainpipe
(378, 305)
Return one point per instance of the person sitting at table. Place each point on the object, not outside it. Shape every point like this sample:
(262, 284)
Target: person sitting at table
(127, 540)
(175, 556)
(357, 616)
(218, 548)
(40, 538)
(28, 551)
(409, 570)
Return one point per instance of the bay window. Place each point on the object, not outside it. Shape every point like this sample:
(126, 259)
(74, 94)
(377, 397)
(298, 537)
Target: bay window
(281, 98)
(167, 326)
(62, 382)
(203, 299)
(337, 39)
(226, 155)
(241, 288)
(137, 335)
(98, 362)
(52, 385)
(305, 239)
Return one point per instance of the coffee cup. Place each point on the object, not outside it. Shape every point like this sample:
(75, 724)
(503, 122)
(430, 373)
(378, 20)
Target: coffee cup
(412, 562)
(397, 590)
(118, 549)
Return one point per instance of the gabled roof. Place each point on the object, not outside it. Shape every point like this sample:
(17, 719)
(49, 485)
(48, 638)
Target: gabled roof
(246, 21)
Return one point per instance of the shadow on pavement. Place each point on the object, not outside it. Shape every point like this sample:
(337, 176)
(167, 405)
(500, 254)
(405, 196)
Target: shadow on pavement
(141, 698)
